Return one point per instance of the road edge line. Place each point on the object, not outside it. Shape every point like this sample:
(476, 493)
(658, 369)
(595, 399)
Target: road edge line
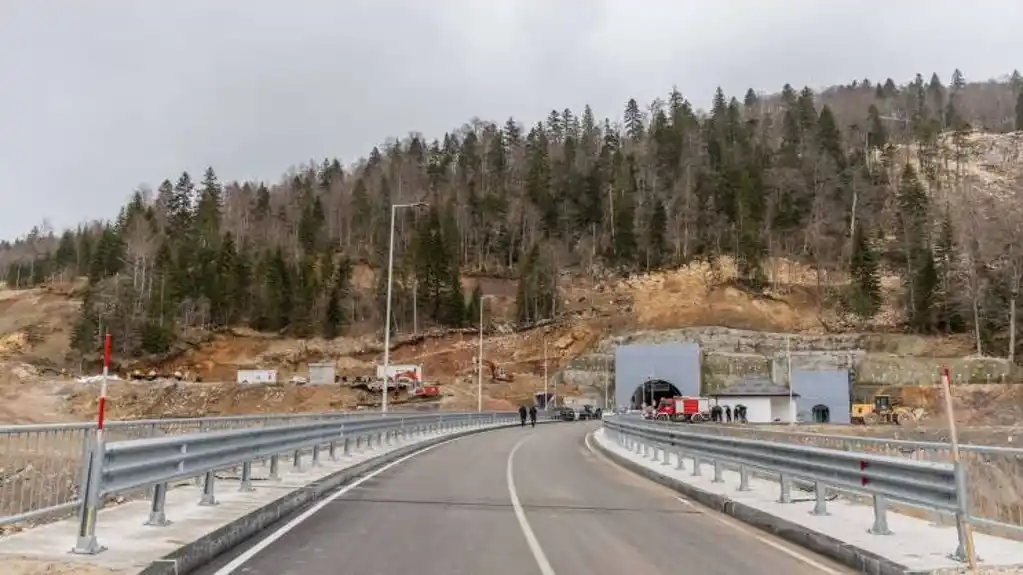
(800, 535)
(520, 513)
(200, 552)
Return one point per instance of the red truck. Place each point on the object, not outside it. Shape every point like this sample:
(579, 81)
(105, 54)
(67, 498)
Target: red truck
(683, 409)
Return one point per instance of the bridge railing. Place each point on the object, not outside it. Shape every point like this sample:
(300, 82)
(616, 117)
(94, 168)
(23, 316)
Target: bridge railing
(994, 489)
(929, 485)
(118, 467)
(40, 465)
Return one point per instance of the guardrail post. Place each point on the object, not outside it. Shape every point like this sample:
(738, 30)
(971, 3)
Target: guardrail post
(332, 451)
(157, 515)
(202, 428)
(820, 503)
(152, 433)
(653, 454)
(316, 455)
(296, 461)
(246, 484)
(962, 516)
(667, 456)
(87, 544)
(346, 449)
(785, 489)
(275, 467)
(743, 478)
(880, 526)
(208, 484)
(718, 478)
(696, 466)
(681, 465)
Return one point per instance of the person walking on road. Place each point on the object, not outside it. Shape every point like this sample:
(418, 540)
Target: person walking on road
(522, 415)
(532, 416)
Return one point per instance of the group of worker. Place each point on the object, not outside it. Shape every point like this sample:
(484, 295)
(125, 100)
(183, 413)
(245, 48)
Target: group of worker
(532, 415)
(719, 414)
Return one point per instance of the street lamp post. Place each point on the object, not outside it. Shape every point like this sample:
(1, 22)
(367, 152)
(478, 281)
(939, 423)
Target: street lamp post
(387, 313)
(479, 361)
(479, 372)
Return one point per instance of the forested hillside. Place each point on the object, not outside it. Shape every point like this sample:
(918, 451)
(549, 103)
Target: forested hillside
(856, 180)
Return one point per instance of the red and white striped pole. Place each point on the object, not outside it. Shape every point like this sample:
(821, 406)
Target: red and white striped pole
(101, 411)
(87, 543)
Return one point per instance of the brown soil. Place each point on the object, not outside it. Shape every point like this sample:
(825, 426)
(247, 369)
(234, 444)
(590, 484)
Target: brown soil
(34, 331)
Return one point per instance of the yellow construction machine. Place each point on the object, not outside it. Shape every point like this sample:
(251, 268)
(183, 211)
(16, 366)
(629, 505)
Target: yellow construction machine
(884, 409)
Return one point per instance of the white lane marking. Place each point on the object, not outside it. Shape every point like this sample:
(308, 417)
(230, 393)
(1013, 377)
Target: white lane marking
(746, 531)
(255, 549)
(520, 514)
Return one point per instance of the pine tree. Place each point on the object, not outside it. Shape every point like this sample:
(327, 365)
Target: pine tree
(179, 209)
(536, 293)
(866, 282)
(624, 244)
(1019, 111)
(920, 274)
(634, 121)
(944, 261)
(829, 139)
(877, 137)
(958, 80)
(66, 253)
(334, 316)
(454, 306)
(472, 311)
(207, 211)
(925, 282)
(656, 246)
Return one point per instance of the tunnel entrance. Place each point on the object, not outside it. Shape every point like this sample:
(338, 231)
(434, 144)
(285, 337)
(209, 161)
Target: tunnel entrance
(821, 414)
(651, 392)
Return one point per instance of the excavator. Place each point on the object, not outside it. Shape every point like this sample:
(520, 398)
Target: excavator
(498, 373)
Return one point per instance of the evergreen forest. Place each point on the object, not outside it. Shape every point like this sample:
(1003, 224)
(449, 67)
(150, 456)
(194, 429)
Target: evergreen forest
(859, 180)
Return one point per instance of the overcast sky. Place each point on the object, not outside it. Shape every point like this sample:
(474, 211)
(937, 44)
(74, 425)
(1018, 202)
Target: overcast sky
(100, 96)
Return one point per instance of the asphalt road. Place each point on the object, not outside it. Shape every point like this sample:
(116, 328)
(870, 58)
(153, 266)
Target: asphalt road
(450, 511)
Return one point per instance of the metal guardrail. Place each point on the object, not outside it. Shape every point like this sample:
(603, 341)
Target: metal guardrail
(995, 487)
(40, 464)
(123, 466)
(931, 485)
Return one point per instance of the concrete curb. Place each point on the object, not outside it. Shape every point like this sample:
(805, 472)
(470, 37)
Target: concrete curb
(198, 553)
(844, 553)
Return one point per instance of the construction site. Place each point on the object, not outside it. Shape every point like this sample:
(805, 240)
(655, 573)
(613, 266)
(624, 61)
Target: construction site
(439, 370)
(735, 338)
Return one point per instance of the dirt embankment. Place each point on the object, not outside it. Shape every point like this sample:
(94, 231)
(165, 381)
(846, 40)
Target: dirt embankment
(35, 326)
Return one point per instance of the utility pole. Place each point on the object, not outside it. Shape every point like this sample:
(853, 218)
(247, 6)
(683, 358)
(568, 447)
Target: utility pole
(479, 373)
(554, 390)
(546, 398)
(788, 366)
(607, 379)
(387, 312)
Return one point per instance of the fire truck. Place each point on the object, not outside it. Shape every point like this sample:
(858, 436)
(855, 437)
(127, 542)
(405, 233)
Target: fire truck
(682, 409)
